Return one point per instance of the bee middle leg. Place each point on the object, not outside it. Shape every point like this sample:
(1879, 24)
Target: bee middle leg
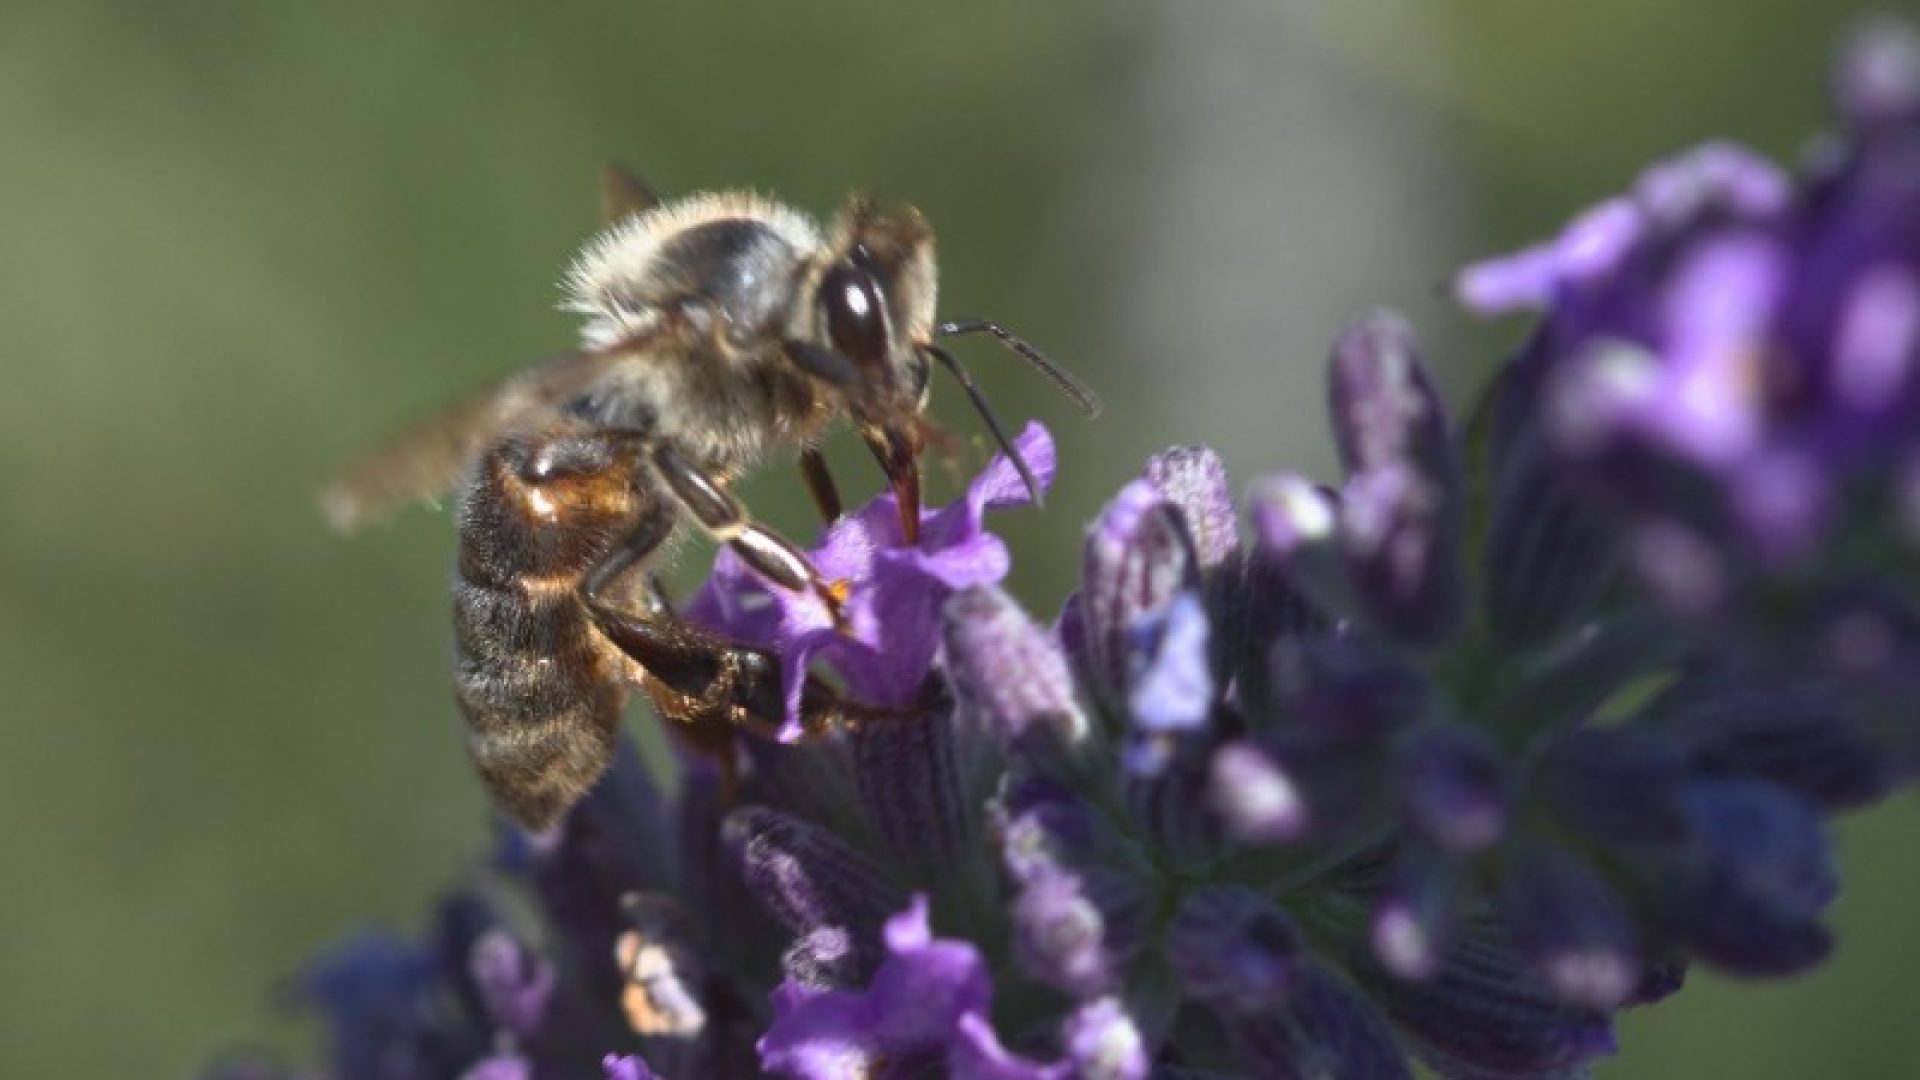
(820, 486)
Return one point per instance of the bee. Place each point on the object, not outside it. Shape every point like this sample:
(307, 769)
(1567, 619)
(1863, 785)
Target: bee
(721, 330)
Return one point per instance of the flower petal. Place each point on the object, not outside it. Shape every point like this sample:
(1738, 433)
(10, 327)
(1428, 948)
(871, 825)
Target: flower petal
(896, 592)
(1194, 480)
(1006, 669)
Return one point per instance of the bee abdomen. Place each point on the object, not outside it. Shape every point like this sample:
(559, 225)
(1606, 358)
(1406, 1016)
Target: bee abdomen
(541, 689)
(542, 706)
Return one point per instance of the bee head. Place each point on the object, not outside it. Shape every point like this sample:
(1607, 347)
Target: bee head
(873, 340)
(872, 322)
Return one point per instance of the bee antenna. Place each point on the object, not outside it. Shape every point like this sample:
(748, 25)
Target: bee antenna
(1088, 401)
(993, 423)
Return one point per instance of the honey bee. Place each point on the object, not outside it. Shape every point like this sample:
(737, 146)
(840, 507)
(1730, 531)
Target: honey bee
(720, 330)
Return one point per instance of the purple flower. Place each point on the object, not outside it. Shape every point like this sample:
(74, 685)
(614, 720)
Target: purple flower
(1798, 734)
(1573, 927)
(1006, 670)
(1454, 788)
(1729, 358)
(1417, 915)
(629, 1067)
(1326, 1028)
(897, 592)
(1170, 682)
(1481, 1014)
(1077, 930)
(1139, 557)
(810, 879)
(1351, 735)
(1401, 506)
(1258, 797)
(1755, 878)
(925, 1009)
(1193, 480)
(1103, 1043)
(515, 984)
(1235, 950)
(379, 995)
(1717, 178)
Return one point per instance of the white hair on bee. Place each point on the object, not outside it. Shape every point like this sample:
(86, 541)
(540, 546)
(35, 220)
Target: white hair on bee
(614, 267)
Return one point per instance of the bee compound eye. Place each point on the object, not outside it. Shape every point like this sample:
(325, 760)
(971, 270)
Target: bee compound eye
(856, 321)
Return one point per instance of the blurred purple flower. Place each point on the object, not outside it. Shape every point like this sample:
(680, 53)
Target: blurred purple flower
(1729, 356)
(629, 1067)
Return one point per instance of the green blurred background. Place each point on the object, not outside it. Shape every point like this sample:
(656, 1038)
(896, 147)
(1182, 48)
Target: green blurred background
(244, 239)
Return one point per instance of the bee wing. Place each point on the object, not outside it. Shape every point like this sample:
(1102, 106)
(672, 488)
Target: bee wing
(623, 194)
(429, 459)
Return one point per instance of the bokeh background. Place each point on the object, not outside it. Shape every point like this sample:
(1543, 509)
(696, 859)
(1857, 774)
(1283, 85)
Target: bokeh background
(243, 239)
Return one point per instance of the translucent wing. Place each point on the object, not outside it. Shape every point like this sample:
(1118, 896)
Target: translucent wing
(623, 193)
(430, 459)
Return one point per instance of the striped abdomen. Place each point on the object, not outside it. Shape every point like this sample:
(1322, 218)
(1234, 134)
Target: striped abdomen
(542, 690)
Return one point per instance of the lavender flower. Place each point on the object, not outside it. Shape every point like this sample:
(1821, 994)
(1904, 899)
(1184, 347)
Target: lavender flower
(1448, 762)
(925, 1010)
(893, 611)
(1729, 363)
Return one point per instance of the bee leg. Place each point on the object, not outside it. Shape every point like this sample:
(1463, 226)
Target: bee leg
(766, 551)
(703, 675)
(707, 688)
(713, 688)
(710, 686)
(820, 486)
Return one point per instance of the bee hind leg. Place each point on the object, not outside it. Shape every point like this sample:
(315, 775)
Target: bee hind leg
(710, 685)
(712, 688)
